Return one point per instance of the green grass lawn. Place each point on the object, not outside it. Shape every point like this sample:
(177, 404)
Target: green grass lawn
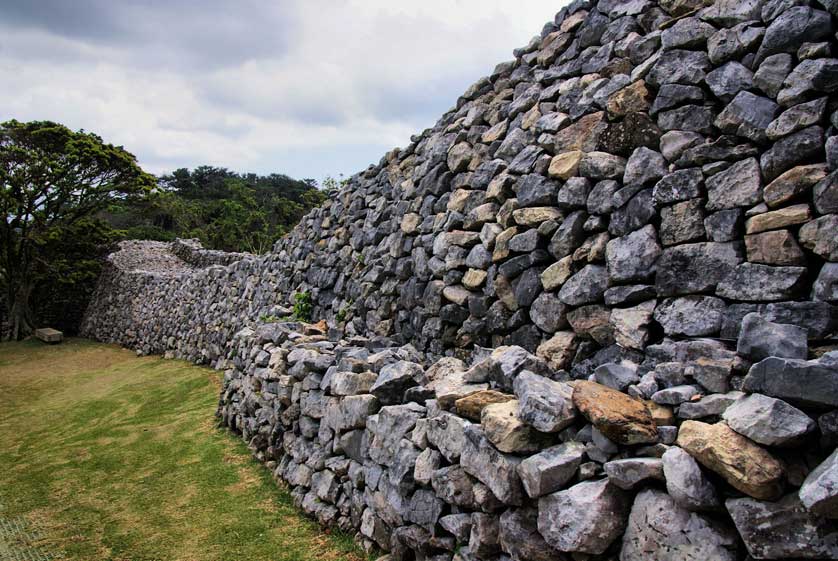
(113, 457)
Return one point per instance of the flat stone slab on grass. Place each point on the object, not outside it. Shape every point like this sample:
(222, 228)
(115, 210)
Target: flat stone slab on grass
(49, 335)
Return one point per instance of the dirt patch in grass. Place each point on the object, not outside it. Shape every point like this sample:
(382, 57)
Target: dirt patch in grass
(114, 457)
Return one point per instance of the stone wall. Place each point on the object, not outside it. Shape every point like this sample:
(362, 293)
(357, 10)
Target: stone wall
(588, 314)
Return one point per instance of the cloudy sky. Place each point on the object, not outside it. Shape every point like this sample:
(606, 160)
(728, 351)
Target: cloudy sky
(302, 87)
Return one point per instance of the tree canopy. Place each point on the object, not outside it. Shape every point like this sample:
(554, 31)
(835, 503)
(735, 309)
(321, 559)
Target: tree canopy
(52, 179)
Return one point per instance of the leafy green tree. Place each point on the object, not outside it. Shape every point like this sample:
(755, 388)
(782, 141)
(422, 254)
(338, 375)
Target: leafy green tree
(51, 179)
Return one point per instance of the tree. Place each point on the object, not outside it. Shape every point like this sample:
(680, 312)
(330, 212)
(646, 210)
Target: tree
(51, 179)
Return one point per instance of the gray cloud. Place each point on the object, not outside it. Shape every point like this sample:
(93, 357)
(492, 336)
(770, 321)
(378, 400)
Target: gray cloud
(304, 87)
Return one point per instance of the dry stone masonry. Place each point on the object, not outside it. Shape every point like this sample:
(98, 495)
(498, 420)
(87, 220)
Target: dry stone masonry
(589, 315)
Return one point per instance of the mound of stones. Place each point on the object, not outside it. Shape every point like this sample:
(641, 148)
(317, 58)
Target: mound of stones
(590, 314)
(506, 457)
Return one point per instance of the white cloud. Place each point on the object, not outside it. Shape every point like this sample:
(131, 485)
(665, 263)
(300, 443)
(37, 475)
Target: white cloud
(345, 81)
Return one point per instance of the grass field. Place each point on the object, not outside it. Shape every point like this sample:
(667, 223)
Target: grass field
(107, 456)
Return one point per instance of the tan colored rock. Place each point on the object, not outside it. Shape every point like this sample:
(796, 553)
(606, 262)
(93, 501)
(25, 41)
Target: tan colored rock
(621, 418)
(558, 350)
(661, 414)
(495, 133)
(777, 247)
(410, 223)
(556, 274)
(457, 294)
(792, 183)
(458, 199)
(742, 463)
(507, 431)
(634, 98)
(531, 117)
(582, 135)
(501, 250)
(630, 325)
(565, 165)
(535, 215)
(472, 406)
(474, 278)
(776, 219)
(820, 236)
(459, 157)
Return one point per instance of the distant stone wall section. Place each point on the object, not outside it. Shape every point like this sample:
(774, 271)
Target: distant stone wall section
(590, 314)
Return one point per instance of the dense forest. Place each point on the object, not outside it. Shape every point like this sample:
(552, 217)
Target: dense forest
(225, 210)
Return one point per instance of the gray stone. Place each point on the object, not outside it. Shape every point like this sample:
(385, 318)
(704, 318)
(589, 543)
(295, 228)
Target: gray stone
(767, 420)
(737, 186)
(617, 376)
(809, 78)
(424, 509)
(805, 383)
(825, 287)
(783, 529)
(686, 483)
(729, 79)
(735, 42)
(519, 536)
(644, 166)
(548, 313)
(771, 74)
(697, 267)
(633, 257)
(752, 282)
(759, 339)
(585, 287)
(792, 28)
(394, 379)
(675, 395)
(679, 67)
(708, 406)
(447, 433)
(496, 470)
(724, 225)
(536, 190)
(790, 151)
(658, 528)
(748, 114)
(630, 472)
(819, 492)
(602, 165)
(682, 222)
(796, 118)
(551, 469)
(483, 541)
(691, 118)
(586, 518)
(679, 186)
(693, 316)
(544, 404)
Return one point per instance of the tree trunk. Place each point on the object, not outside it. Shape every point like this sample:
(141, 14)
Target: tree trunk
(20, 319)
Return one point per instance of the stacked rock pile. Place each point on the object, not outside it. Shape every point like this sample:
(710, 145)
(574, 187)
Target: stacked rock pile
(508, 458)
(639, 214)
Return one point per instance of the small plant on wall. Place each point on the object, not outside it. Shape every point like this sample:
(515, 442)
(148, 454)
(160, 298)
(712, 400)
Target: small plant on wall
(302, 306)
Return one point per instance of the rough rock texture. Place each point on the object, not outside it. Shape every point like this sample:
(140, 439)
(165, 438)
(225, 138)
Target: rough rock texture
(565, 236)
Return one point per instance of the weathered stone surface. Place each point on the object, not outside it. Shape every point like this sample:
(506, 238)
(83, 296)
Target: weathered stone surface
(619, 417)
(504, 428)
(585, 287)
(819, 492)
(633, 257)
(659, 528)
(818, 236)
(393, 380)
(471, 406)
(519, 536)
(494, 469)
(778, 247)
(804, 383)
(776, 219)
(586, 518)
(559, 350)
(759, 339)
(631, 472)
(743, 464)
(686, 483)
(693, 316)
(544, 404)
(699, 267)
(768, 421)
(783, 529)
(737, 186)
(551, 469)
(762, 283)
